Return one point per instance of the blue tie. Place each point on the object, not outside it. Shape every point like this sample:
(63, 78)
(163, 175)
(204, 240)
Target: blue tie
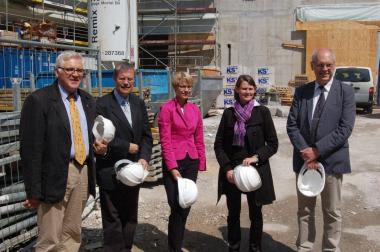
(127, 111)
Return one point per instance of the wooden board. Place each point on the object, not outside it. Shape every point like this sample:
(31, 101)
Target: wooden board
(354, 43)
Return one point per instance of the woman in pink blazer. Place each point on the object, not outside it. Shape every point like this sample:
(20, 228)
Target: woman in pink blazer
(183, 151)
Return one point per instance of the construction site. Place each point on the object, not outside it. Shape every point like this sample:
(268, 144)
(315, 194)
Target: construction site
(214, 41)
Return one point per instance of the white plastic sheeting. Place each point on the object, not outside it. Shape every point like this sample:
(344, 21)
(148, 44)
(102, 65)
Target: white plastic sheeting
(362, 11)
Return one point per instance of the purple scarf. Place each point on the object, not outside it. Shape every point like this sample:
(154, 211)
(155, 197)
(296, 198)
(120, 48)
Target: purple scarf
(242, 116)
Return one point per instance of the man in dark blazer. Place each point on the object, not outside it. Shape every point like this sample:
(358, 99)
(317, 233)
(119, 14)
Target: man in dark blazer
(133, 141)
(58, 171)
(319, 124)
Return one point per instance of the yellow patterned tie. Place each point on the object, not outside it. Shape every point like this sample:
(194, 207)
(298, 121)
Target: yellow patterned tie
(79, 148)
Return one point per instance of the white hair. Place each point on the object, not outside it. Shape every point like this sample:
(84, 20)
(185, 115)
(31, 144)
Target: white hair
(314, 56)
(66, 55)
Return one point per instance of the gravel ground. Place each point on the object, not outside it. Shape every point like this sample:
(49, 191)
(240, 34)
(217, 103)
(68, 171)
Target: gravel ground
(206, 227)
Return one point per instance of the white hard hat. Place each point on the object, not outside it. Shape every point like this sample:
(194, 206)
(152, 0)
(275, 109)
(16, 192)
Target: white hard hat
(247, 179)
(311, 181)
(187, 192)
(103, 129)
(130, 173)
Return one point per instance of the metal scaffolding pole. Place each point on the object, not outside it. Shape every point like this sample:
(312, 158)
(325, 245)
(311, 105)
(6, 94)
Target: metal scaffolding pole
(175, 37)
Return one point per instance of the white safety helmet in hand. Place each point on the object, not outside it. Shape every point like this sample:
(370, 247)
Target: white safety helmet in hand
(187, 192)
(130, 173)
(103, 129)
(247, 179)
(311, 181)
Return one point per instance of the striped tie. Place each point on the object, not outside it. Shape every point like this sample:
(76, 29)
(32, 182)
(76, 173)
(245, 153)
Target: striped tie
(79, 148)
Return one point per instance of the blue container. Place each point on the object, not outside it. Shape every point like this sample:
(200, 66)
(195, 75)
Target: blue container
(21, 63)
(27, 67)
(11, 67)
(2, 77)
(157, 81)
(107, 81)
(44, 79)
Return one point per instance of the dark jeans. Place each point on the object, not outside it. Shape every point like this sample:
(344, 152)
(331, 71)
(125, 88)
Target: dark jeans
(233, 220)
(119, 216)
(178, 216)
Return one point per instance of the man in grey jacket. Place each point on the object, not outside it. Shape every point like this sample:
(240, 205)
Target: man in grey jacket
(319, 124)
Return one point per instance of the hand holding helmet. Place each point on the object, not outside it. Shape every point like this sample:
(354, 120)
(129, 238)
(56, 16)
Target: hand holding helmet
(251, 160)
(311, 181)
(130, 173)
(103, 129)
(247, 179)
(187, 192)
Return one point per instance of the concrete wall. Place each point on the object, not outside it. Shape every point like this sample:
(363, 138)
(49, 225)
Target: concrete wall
(257, 28)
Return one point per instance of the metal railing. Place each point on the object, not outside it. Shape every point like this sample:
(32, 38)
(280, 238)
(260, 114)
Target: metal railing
(28, 65)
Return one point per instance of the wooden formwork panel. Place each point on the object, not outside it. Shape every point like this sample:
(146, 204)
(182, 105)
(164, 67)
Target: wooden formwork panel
(354, 44)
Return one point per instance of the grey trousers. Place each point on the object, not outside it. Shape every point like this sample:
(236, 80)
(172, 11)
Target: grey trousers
(332, 216)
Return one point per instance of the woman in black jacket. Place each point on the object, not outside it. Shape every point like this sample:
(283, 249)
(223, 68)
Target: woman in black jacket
(246, 135)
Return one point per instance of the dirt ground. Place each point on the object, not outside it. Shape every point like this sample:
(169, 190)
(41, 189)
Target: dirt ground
(206, 227)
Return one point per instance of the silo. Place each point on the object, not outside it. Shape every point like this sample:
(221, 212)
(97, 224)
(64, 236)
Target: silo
(113, 29)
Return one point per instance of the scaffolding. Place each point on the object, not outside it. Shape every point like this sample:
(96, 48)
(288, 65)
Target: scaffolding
(59, 21)
(177, 34)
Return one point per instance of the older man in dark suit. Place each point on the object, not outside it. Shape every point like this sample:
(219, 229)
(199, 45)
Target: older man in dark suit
(320, 122)
(133, 141)
(56, 155)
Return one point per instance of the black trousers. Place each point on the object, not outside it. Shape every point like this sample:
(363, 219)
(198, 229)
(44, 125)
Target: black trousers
(119, 216)
(178, 216)
(233, 196)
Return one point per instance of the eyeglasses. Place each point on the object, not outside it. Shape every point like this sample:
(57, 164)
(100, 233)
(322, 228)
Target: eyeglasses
(71, 70)
(185, 87)
(325, 65)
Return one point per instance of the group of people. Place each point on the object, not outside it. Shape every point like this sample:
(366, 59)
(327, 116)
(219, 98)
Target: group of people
(58, 153)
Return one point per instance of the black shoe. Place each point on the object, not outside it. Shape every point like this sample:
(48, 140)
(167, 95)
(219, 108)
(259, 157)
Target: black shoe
(235, 248)
(254, 248)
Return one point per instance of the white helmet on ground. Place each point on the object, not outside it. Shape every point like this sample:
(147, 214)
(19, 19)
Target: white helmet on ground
(187, 192)
(130, 173)
(311, 181)
(103, 129)
(247, 179)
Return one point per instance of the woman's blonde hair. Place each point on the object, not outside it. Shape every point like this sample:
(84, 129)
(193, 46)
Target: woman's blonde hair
(180, 77)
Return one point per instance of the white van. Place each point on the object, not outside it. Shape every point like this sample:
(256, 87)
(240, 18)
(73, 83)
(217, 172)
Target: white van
(361, 79)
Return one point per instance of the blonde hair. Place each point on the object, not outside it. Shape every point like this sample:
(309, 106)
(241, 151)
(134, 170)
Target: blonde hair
(180, 77)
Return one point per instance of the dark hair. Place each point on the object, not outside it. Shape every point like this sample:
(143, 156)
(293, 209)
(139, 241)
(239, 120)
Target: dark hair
(122, 67)
(240, 80)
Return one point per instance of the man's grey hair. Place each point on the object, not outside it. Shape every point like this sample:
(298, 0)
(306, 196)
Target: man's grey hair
(314, 56)
(121, 68)
(66, 55)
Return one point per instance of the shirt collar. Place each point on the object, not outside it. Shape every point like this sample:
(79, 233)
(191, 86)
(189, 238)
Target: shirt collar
(65, 94)
(327, 86)
(120, 99)
(255, 103)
